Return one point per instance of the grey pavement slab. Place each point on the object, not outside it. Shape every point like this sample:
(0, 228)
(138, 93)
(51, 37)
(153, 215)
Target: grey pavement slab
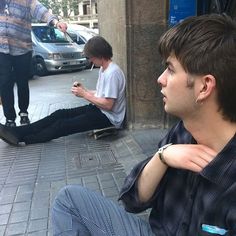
(31, 176)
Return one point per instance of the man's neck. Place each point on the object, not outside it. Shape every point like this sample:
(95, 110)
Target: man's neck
(105, 64)
(212, 133)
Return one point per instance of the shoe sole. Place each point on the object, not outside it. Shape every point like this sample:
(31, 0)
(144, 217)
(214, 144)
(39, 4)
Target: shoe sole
(13, 140)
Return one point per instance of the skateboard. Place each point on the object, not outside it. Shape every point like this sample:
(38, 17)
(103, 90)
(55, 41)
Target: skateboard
(99, 133)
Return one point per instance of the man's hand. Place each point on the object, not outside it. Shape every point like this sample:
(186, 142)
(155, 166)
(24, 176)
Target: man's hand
(103, 103)
(78, 90)
(192, 157)
(62, 26)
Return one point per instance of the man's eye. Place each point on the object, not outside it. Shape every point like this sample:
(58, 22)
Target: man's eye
(170, 70)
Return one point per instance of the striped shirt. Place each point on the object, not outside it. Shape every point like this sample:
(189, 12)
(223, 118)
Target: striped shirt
(15, 25)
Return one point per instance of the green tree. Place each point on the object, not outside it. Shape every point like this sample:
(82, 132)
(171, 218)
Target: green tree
(62, 6)
(54, 5)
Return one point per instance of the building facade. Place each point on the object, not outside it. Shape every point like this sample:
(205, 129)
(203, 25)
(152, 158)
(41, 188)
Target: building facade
(84, 13)
(88, 14)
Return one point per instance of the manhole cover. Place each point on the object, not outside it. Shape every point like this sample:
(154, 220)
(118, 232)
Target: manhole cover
(95, 159)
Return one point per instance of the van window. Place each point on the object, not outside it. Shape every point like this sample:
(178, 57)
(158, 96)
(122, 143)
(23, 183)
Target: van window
(46, 34)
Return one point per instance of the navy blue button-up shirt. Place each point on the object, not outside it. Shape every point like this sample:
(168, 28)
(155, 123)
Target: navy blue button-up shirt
(187, 203)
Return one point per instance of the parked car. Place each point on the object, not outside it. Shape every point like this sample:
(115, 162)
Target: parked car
(77, 38)
(54, 50)
(81, 31)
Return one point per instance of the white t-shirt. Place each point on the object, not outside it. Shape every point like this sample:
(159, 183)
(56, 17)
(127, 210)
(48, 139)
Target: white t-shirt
(111, 84)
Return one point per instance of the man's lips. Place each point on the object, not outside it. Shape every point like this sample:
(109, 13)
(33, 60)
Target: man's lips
(164, 96)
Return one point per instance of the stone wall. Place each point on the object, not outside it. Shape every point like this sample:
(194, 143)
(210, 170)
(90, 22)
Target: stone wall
(112, 26)
(133, 28)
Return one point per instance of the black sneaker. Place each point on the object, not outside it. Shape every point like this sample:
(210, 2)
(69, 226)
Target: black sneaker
(24, 119)
(10, 123)
(7, 135)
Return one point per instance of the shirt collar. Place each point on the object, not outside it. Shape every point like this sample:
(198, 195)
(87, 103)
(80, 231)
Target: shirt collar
(223, 168)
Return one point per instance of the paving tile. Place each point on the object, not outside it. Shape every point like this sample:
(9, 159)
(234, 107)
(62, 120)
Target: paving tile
(39, 213)
(2, 229)
(20, 216)
(24, 197)
(108, 183)
(22, 189)
(8, 191)
(6, 199)
(42, 187)
(4, 219)
(21, 206)
(105, 176)
(110, 192)
(50, 232)
(16, 229)
(38, 233)
(74, 181)
(4, 209)
(38, 225)
(41, 199)
(93, 185)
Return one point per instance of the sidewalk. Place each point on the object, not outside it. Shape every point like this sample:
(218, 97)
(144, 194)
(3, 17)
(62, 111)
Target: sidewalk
(31, 176)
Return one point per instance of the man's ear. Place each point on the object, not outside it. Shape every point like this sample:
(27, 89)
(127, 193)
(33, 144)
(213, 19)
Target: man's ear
(207, 86)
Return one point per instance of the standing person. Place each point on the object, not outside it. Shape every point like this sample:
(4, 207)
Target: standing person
(107, 104)
(190, 183)
(16, 52)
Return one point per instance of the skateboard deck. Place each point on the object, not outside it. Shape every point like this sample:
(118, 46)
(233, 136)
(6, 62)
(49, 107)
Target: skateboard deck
(99, 133)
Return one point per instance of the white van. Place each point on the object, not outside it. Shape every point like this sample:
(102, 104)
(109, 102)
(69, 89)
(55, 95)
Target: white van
(54, 50)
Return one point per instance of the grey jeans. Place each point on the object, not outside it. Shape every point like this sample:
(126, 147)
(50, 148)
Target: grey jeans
(79, 211)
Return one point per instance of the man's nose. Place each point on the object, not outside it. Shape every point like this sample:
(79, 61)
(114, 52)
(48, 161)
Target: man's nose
(162, 78)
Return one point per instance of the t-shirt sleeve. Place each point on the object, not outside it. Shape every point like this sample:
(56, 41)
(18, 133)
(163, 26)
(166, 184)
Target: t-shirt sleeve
(112, 86)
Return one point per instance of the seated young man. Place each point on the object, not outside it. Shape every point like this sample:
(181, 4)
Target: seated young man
(190, 183)
(107, 104)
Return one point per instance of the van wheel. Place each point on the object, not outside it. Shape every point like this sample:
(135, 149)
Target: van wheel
(40, 67)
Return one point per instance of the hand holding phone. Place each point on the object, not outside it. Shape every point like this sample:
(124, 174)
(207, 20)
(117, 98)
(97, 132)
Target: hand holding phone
(77, 84)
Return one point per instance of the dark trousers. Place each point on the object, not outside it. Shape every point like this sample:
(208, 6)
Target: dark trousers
(61, 123)
(14, 69)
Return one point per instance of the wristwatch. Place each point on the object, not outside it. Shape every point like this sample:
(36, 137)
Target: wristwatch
(54, 23)
(160, 153)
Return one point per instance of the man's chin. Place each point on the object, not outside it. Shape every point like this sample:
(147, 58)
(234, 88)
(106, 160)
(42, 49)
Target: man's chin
(168, 110)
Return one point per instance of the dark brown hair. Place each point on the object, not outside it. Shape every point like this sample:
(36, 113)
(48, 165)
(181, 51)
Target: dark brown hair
(207, 45)
(98, 47)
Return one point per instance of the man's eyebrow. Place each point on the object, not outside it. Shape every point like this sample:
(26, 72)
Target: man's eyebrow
(168, 63)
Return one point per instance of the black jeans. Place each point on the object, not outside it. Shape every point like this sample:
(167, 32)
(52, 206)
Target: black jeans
(61, 123)
(14, 69)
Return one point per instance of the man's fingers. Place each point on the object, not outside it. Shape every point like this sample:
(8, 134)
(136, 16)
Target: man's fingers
(195, 167)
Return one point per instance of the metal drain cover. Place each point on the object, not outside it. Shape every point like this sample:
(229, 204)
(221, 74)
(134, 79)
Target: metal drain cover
(95, 159)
